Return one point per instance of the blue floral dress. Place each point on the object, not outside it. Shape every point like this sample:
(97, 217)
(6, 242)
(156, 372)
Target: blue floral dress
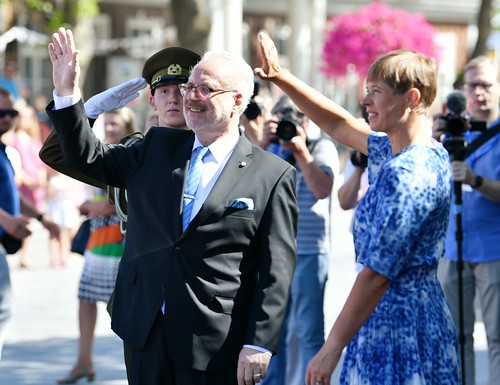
(399, 231)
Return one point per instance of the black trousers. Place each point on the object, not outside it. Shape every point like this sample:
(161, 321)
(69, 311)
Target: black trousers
(153, 365)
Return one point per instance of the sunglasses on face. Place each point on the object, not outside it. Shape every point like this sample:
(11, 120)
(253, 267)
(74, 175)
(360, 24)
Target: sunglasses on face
(11, 113)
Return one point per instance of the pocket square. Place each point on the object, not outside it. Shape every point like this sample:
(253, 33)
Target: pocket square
(242, 203)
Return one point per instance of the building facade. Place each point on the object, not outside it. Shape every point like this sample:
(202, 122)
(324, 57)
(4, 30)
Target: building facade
(115, 44)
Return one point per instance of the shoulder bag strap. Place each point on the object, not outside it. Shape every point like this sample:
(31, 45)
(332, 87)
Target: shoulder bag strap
(487, 135)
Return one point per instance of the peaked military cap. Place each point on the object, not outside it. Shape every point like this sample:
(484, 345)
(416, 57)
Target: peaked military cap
(169, 66)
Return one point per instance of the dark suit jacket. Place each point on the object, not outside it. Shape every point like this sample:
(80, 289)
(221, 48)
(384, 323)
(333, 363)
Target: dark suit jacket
(51, 154)
(226, 280)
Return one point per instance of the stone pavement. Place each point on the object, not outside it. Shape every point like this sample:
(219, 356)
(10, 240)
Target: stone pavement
(43, 338)
(42, 341)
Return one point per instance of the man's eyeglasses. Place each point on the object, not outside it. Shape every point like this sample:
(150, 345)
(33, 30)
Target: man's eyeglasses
(482, 86)
(202, 91)
(11, 113)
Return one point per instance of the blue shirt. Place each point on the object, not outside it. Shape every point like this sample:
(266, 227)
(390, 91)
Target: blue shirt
(480, 215)
(9, 196)
(11, 86)
(313, 232)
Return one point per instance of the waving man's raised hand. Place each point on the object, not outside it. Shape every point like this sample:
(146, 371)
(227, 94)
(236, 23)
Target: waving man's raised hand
(65, 67)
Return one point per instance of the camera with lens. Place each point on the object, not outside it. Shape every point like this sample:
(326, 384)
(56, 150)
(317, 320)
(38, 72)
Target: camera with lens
(456, 123)
(455, 126)
(254, 109)
(287, 126)
(358, 159)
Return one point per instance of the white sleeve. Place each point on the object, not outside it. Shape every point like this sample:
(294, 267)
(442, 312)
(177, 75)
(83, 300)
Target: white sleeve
(65, 101)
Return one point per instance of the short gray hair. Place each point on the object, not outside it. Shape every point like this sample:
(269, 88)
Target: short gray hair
(240, 78)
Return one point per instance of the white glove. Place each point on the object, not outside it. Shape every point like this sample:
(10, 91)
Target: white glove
(114, 98)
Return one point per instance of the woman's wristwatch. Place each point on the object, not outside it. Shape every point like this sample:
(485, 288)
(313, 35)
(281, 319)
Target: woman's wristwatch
(478, 182)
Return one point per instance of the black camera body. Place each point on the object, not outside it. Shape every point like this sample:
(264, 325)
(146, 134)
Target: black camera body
(457, 122)
(287, 126)
(359, 159)
(457, 125)
(253, 110)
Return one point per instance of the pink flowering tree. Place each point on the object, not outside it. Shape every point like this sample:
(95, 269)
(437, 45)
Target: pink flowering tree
(358, 39)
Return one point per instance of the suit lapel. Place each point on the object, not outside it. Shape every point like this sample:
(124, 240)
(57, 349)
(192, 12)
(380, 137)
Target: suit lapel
(238, 162)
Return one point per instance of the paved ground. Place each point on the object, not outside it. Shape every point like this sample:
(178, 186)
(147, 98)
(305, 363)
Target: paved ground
(42, 341)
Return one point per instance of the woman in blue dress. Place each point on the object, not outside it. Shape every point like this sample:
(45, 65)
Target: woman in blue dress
(395, 323)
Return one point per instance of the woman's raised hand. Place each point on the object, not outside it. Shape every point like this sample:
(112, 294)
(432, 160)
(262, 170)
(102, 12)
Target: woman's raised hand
(270, 61)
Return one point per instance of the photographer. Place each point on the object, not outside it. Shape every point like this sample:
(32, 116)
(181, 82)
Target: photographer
(288, 133)
(253, 119)
(355, 176)
(355, 181)
(480, 175)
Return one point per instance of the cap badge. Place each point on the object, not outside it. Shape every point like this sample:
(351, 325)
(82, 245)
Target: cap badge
(174, 69)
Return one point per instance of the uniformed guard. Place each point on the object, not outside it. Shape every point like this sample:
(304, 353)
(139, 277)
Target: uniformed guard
(171, 65)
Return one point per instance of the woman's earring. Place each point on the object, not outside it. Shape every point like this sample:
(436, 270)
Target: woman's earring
(408, 109)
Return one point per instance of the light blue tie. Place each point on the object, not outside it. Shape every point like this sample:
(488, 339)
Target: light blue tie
(192, 182)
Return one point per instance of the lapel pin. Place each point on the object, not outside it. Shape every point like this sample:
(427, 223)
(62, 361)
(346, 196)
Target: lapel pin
(243, 164)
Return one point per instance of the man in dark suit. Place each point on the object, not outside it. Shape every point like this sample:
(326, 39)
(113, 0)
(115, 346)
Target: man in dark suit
(203, 305)
(163, 72)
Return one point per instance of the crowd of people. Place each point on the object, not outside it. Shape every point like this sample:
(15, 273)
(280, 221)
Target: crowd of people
(226, 259)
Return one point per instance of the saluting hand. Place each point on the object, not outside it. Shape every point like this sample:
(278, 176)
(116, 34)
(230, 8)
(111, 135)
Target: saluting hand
(65, 66)
(114, 98)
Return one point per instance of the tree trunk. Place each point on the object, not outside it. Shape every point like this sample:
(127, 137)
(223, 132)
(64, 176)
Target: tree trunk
(484, 27)
(192, 22)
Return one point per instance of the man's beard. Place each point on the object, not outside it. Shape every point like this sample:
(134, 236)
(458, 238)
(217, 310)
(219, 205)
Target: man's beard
(211, 122)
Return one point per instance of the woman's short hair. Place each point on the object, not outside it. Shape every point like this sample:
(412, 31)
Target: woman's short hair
(405, 69)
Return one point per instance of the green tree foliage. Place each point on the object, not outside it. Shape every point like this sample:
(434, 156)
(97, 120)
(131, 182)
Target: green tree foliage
(48, 15)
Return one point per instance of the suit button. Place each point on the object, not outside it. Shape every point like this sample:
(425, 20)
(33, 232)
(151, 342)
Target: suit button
(177, 250)
(163, 288)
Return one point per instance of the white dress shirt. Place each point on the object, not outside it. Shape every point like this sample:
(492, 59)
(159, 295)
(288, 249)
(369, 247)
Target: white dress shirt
(213, 164)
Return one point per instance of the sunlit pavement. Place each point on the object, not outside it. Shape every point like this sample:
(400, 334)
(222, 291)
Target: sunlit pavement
(42, 341)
